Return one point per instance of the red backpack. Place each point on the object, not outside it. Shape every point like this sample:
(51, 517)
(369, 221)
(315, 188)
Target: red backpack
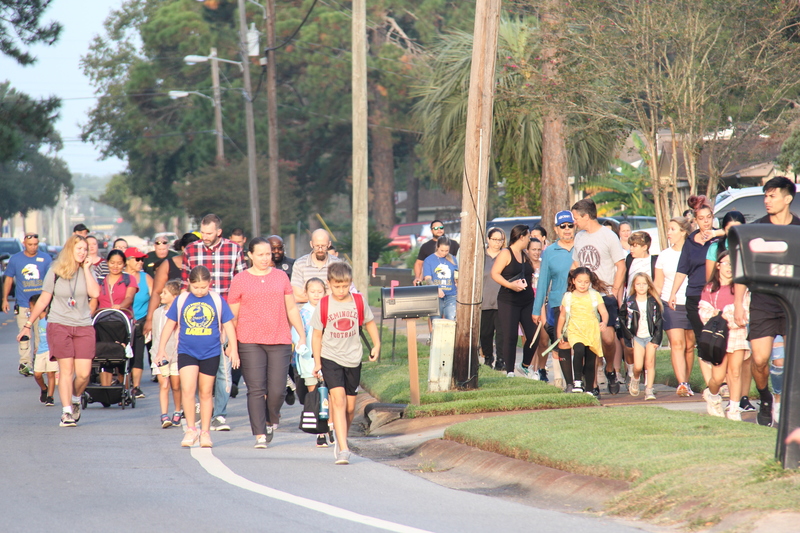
(358, 298)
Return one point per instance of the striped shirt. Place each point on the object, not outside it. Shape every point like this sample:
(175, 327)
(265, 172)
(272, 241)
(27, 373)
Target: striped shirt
(304, 269)
(223, 260)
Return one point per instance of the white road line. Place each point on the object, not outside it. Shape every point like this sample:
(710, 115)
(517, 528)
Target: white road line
(217, 468)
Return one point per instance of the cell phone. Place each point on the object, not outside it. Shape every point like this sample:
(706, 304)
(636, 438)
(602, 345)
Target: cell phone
(161, 363)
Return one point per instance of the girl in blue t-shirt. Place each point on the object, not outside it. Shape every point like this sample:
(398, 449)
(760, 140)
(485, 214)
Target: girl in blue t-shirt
(440, 269)
(200, 315)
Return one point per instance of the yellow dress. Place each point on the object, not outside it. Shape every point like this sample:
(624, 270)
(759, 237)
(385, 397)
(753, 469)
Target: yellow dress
(584, 326)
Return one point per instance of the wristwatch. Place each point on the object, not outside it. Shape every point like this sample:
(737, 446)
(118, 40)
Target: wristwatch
(27, 325)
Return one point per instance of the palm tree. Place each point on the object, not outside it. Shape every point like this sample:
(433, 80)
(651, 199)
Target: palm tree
(441, 111)
(622, 189)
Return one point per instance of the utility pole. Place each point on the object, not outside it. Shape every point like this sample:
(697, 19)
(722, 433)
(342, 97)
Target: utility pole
(272, 120)
(474, 192)
(217, 106)
(255, 216)
(360, 158)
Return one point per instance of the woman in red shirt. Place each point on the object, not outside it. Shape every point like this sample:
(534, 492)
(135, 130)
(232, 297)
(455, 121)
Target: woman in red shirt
(262, 302)
(117, 290)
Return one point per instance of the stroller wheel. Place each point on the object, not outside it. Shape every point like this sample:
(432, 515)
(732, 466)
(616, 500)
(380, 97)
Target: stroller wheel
(133, 402)
(106, 404)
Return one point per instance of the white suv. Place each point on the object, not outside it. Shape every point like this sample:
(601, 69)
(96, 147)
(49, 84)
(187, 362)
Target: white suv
(748, 201)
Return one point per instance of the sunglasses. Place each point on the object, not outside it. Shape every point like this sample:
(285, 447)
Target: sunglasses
(140, 259)
(565, 226)
(32, 236)
(438, 227)
(161, 242)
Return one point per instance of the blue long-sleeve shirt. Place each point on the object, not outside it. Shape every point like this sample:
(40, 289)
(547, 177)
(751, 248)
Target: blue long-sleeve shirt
(556, 264)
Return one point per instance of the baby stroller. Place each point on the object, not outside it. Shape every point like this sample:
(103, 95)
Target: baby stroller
(114, 335)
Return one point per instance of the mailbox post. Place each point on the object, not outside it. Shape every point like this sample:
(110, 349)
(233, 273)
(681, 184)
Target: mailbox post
(411, 303)
(766, 258)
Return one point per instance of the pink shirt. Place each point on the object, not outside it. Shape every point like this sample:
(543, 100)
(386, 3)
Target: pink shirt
(118, 292)
(262, 307)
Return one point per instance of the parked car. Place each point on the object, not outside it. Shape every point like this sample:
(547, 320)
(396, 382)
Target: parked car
(8, 247)
(407, 236)
(637, 222)
(749, 201)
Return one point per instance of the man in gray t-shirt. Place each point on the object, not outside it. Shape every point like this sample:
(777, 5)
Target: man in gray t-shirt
(598, 248)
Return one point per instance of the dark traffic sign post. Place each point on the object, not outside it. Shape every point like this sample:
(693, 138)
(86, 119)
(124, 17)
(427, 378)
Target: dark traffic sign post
(766, 258)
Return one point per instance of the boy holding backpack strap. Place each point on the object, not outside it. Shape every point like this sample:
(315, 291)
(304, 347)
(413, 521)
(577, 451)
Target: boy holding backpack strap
(337, 350)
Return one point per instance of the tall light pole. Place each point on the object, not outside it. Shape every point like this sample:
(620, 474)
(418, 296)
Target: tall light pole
(272, 119)
(217, 105)
(255, 216)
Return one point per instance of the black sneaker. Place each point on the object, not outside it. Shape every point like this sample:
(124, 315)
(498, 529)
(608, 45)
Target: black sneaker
(290, 396)
(49, 402)
(745, 405)
(613, 384)
(136, 392)
(764, 416)
(43, 396)
(322, 442)
(331, 437)
(596, 391)
(500, 365)
(543, 375)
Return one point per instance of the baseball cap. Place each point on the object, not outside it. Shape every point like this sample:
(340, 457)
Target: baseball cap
(133, 251)
(564, 217)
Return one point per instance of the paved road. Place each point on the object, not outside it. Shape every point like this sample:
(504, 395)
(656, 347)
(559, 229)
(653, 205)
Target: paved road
(118, 470)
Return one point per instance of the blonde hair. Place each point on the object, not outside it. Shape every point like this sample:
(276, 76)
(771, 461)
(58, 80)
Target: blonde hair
(65, 266)
(651, 288)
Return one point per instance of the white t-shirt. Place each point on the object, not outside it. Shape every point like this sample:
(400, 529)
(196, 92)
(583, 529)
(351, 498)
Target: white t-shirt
(639, 264)
(600, 252)
(643, 331)
(668, 262)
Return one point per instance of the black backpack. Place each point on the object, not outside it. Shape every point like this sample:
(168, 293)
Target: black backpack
(310, 422)
(713, 342)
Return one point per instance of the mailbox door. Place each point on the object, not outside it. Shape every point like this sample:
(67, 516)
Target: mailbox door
(410, 302)
(766, 258)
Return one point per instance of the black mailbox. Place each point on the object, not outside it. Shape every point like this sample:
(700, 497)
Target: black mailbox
(410, 302)
(766, 258)
(383, 276)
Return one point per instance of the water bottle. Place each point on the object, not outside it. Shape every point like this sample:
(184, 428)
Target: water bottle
(323, 402)
(25, 342)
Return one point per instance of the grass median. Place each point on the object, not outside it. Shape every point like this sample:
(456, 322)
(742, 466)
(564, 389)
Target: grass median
(682, 466)
(388, 381)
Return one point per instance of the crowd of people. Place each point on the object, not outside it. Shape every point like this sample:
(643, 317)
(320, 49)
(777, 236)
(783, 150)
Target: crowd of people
(205, 314)
(603, 300)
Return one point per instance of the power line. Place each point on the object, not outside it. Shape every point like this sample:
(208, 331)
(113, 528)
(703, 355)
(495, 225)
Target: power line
(287, 41)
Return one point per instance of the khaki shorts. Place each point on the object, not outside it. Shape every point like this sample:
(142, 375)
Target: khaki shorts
(42, 363)
(166, 370)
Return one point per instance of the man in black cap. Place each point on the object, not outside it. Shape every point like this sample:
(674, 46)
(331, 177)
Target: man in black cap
(80, 229)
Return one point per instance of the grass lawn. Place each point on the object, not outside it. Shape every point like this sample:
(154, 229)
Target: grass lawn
(666, 376)
(683, 466)
(389, 383)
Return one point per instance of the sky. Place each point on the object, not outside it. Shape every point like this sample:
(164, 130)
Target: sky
(57, 72)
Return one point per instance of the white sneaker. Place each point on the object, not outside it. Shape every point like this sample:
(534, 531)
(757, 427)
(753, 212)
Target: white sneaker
(633, 387)
(523, 372)
(510, 375)
(714, 404)
(776, 413)
(734, 413)
(577, 386)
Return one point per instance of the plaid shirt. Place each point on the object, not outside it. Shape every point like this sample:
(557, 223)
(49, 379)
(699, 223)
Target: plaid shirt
(223, 260)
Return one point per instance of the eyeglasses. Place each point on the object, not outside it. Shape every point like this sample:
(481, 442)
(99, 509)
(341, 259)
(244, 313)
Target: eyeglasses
(161, 242)
(565, 226)
(321, 247)
(32, 236)
(437, 227)
(728, 263)
(499, 239)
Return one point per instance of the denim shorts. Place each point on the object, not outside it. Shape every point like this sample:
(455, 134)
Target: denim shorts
(642, 341)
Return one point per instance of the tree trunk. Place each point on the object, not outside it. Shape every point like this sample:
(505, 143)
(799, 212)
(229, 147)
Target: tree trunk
(412, 190)
(555, 171)
(381, 149)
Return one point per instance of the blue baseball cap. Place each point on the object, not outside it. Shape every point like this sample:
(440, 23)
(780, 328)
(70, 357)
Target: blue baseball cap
(564, 217)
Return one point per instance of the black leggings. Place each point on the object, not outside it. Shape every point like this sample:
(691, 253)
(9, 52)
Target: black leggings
(565, 354)
(583, 365)
(511, 316)
(264, 367)
(491, 329)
